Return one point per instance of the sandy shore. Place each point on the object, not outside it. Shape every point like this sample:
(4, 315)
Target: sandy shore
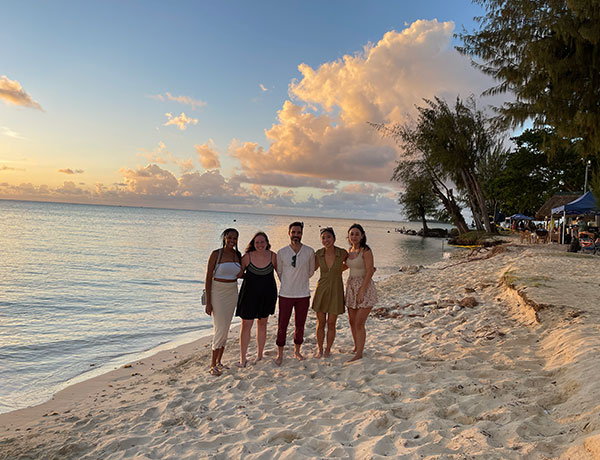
(511, 374)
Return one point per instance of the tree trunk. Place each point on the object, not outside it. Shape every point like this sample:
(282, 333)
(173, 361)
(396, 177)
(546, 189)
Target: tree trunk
(482, 204)
(472, 201)
(453, 209)
(424, 220)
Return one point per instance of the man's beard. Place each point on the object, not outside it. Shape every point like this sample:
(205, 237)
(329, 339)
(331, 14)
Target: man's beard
(295, 239)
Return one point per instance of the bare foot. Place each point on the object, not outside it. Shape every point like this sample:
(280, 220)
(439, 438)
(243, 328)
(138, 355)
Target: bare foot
(278, 360)
(354, 358)
(215, 371)
(318, 354)
(222, 366)
(258, 358)
(241, 364)
(299, 356)
(327, 353)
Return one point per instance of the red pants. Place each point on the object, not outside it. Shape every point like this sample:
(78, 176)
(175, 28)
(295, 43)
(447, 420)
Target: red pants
(286, 305)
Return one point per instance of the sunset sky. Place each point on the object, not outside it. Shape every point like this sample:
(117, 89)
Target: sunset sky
(234, 105)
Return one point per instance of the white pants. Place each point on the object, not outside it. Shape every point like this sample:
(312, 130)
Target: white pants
(224, 301)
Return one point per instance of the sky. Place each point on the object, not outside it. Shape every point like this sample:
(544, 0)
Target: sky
(231, 106)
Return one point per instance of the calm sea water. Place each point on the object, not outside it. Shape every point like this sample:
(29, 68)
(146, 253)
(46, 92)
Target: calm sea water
(84, 289)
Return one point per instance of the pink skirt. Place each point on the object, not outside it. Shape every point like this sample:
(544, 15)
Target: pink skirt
(353, 285)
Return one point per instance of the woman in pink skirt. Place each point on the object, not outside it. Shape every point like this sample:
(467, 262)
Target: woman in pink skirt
(361, 294)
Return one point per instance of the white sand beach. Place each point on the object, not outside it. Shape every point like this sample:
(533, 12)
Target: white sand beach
(512, 374)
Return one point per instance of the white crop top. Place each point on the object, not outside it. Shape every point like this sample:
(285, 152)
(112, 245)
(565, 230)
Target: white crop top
(227, 271)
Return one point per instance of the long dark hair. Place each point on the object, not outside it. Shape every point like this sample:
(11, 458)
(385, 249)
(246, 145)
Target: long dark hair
(251, 246)
(363, 240)
(226, 232)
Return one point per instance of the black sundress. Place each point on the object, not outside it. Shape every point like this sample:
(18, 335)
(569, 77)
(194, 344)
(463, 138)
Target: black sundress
(258, 293)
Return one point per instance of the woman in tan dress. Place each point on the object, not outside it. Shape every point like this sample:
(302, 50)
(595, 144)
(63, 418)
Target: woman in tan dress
(328, 301)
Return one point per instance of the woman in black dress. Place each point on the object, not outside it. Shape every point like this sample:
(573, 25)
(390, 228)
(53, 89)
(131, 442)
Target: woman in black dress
(258, 293)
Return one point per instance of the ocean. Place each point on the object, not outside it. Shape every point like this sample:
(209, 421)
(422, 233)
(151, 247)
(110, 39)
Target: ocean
(85, 289)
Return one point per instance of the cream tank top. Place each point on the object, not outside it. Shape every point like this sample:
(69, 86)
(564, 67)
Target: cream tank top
(356, 265)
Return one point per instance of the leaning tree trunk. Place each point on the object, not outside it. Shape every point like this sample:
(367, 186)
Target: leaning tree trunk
(482, 204)
(472, 201)
(453, 209)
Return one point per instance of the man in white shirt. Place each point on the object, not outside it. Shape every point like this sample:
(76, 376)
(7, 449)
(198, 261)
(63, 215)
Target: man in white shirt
(295, 266)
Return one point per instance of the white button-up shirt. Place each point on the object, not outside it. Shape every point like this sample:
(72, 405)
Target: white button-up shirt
(294, 280)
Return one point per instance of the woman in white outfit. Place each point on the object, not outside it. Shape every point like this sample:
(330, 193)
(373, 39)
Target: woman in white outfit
(222, 293)
(361, 294)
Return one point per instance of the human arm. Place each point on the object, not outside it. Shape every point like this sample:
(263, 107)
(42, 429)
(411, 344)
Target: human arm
(369, 271)
(212, 260)
(245, 261)
(344, 265)
(274, 260)
(278, 265)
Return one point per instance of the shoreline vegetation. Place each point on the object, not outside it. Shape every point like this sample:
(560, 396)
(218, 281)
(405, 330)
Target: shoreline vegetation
(491, 356)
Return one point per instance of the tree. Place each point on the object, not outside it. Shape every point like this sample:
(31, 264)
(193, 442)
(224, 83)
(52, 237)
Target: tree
(530, 174)
(453, 144)
(545, 52)
(416, 162)
(418, 199)
(459, 139)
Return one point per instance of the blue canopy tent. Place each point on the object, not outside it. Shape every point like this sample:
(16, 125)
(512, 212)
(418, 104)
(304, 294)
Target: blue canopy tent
(520, 217)
(584, 205)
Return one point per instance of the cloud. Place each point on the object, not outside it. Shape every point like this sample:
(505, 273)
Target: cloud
(12, 92)
(156, 155)
(322, 131)
(208, 155)
(308, 145)
(187, 100)
(150, 180)
(182, 121)
(184, 165)
(263, 88)
(70, 189)
(71, 171)
(10, 133)
(285, 180)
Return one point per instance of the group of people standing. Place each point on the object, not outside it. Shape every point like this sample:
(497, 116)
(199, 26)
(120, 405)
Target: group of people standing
(294, 264)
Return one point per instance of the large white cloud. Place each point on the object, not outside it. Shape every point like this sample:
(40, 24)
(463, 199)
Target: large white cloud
(323, 132)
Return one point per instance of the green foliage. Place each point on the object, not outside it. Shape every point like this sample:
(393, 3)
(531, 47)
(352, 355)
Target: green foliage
(530, 175)
(459, 139)
(545, 52)
(418, 200)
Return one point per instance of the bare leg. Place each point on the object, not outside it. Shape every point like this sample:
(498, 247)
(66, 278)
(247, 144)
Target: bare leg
(297, 353)
(331, 320)
(245, 334)
(352, 321)
(213, 363)
(361, 334)
(321, 320)
(279, 359)
(220, 356)
(261, 337)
